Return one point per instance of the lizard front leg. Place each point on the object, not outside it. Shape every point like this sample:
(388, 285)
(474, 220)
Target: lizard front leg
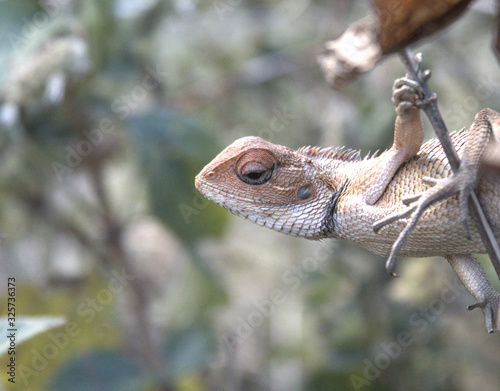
(474, 278)
(408, 138)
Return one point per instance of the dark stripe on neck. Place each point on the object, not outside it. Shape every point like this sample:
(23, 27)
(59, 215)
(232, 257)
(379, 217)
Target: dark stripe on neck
(330, 220)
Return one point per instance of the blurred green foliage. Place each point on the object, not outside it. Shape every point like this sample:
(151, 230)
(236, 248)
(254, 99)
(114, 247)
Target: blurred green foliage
(171, 148)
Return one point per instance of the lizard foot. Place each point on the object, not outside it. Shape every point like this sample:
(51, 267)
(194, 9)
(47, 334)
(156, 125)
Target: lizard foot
(407, 94)
(463, 183)
(490, 307)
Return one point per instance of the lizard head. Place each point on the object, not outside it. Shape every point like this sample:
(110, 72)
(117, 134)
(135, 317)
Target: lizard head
(273, 186)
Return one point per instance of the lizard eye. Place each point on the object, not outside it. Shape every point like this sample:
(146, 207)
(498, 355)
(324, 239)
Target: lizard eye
(255, 167)
(255, 173)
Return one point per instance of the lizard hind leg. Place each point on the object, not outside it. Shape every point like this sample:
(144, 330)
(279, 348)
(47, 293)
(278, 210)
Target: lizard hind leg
(486, 126)
(474, 278)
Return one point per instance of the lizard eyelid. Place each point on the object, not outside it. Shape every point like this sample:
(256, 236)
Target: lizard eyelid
(255, 167)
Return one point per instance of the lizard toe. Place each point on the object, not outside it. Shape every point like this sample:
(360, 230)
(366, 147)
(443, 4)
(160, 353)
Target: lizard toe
(490, 307)
(409, 83)
(378, 225)
(461, 183)
(406, 94)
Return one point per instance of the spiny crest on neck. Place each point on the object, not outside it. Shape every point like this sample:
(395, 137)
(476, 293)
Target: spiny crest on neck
(331, 153)
(335, 153)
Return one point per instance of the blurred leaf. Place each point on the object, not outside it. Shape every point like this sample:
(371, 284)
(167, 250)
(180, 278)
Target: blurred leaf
(90, 329)
(28, 327)
(189, 350)
(13, 17)
(98, 370)
(206, 287)
(99, 25)
(173, 149)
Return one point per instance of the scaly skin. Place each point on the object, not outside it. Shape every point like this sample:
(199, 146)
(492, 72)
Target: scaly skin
(329, 193)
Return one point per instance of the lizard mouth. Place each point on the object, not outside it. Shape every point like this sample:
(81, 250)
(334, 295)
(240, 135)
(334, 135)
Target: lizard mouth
(201, 181)
(198, 182)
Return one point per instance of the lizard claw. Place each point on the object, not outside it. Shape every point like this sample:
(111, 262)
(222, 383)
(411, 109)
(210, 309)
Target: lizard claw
(479, 304)
(490, 307)
(419, 58)
(426, 75)
(390, 266)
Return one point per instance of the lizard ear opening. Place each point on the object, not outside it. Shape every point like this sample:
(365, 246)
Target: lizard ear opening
(304, 193)
(255, 167)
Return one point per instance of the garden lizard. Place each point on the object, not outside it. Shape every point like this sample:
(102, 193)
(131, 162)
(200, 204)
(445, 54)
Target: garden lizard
(334, 193)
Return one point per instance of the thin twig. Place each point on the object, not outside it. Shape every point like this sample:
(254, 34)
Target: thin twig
(142, 336)
(432, 112)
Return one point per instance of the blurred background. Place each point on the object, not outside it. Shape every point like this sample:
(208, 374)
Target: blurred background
(127, 279)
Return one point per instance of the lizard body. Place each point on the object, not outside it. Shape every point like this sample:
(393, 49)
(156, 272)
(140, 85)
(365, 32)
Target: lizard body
(334, 193)
(428, 239)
